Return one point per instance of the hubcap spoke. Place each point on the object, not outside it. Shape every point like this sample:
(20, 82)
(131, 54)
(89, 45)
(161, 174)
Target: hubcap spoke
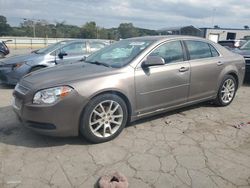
(97, 113)
(98, 127)
(102, 108)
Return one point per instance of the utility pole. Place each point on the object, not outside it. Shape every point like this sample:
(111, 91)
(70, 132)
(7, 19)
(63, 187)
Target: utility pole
(34, 22)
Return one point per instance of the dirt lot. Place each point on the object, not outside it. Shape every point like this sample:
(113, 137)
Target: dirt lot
(192, 147)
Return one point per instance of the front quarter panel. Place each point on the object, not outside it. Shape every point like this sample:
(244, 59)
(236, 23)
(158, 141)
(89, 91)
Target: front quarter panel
(121, 80)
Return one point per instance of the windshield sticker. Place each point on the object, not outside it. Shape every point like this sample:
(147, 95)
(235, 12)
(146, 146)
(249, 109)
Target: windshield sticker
(137, 43)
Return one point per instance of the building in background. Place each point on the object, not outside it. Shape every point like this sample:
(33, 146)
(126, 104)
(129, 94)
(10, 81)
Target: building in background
(217, 34)
(183, 30)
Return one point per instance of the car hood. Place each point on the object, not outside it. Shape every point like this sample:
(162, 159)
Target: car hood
(65, 74)
(245, 53)
(21, 58)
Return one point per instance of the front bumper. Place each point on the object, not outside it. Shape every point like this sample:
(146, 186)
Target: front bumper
(60, 119)
(12, 76)
(247, 73)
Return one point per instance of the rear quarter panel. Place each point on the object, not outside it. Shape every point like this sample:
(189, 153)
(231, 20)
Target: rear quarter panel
(233, 64)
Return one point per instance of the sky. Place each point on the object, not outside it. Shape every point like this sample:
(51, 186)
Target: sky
(148, 14)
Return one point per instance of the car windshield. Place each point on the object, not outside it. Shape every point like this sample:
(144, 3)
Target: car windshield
(51, 48)
(120, 53)
(246, 46)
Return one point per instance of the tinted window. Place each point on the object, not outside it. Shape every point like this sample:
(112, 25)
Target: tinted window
(198, 49)
(213, 51)
(170, 52)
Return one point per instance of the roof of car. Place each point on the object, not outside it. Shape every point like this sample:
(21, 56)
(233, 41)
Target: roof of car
(83, 40)
(160, 37)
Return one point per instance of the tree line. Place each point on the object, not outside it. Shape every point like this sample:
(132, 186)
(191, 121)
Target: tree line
(91, 30)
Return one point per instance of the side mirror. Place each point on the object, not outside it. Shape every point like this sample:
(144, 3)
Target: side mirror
(62, 54)
(153, 61)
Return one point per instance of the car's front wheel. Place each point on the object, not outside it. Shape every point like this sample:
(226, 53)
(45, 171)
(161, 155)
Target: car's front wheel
(226, 91)
(104, 118)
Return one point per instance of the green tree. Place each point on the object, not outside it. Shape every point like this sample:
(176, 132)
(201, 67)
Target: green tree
(5, 28)
(127, 30)
(89, 30)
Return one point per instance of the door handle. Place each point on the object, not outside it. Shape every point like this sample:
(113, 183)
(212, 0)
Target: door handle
(219, 63)
(183, 69)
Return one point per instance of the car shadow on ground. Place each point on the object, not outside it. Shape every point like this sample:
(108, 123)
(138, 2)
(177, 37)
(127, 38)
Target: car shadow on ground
(13, 133)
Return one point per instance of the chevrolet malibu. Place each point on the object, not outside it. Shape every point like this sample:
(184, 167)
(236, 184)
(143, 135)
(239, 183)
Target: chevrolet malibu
(125, 81)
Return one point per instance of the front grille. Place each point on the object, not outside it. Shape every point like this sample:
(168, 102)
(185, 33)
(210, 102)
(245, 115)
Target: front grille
(21, 89)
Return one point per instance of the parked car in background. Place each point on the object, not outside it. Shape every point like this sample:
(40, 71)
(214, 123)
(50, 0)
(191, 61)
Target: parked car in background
(232, 44)
(245, 52)
(4, 50)
(128, 80)
(12, 69)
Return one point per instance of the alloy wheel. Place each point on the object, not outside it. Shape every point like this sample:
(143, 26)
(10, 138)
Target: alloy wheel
(228, 91)
(106, 118)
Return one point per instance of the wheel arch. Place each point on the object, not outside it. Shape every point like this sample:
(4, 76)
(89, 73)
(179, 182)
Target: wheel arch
(41, 66)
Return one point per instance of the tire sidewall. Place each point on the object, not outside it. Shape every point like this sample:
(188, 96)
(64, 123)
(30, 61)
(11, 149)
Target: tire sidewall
(84, 123)
(219, 100)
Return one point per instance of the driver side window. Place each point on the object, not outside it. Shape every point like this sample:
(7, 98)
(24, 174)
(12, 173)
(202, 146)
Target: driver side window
(171, 52)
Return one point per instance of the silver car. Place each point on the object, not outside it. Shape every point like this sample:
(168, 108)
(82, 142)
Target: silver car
(12, 69)
(126, 81)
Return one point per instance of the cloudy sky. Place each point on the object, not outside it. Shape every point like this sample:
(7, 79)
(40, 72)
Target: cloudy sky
(142, 13)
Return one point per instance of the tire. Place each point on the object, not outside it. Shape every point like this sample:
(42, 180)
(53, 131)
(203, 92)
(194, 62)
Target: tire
(226, 91)
(104, 118)
(36, 68)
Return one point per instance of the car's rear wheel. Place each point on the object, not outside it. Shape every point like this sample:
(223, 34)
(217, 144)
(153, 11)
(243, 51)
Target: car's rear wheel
(226, 91)
(104, 118)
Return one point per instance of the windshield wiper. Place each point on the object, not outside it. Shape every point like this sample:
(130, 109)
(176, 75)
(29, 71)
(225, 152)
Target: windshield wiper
(98, 63)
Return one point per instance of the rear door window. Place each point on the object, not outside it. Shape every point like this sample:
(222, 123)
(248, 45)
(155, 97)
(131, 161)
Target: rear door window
(198, 49)
(214, 52)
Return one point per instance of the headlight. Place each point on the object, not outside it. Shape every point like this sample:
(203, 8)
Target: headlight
(51, 95)
(17, 65)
